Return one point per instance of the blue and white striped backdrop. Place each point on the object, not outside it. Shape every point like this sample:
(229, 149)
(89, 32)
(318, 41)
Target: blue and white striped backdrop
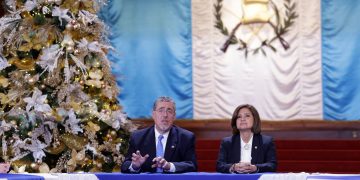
(171, 47)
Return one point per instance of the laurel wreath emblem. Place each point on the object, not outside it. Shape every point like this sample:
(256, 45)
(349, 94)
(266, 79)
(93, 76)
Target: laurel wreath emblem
(279, 28)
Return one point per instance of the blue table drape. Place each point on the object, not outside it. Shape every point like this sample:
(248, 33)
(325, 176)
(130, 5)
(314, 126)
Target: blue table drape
(20, 177)
(185, 176)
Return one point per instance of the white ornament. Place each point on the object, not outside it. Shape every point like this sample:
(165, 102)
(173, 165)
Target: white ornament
(3, 63)
(49, 58)
(30, 5)
(37, 101)
(61, 13)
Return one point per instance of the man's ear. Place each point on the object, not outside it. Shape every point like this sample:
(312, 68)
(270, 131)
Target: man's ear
(153, 114)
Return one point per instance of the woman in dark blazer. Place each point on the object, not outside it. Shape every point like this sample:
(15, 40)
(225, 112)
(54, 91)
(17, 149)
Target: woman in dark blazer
(246, 151)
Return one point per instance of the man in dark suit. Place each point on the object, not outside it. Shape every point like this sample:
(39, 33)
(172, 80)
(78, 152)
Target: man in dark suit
(162, 147)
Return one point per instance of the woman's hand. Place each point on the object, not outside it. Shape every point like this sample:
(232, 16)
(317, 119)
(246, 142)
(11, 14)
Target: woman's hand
(244, 167)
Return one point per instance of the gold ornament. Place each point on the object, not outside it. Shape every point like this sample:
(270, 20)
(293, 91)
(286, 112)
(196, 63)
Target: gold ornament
(94, 83)
(116, 168)
(57, 148)
(25, 14)
(73, 142)
(4, 81)
(69, 26)
(31, 41)
(70, 49)
(24, 64)
(106, 106)
(107, 138)
(67, 41)
(115, 107)
(76, 52)
(76, 77)
(96, 74)
(20, 28)
(18, 169)
(77, 26)
(76, 158)
(51, 37)
(34, 166)
(93, 127)
(95, 169)
(58, 2)
(4, 98)
(79, 156)
(70, 168)
(21, 164)
(58, 118)
(96, 63)
(113, 134)
(98, 164)
(91, 89)
(75, 6)
(42, 86)
(75, 105)
(86, 162)
(31, 80)
(118, 140)
(44, 168)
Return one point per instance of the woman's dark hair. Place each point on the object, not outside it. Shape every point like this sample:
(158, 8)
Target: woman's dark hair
(256, 129)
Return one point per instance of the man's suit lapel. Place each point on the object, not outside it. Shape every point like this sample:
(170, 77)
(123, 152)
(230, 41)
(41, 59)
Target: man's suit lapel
(236, 148)
(171, 144)
(149, 144)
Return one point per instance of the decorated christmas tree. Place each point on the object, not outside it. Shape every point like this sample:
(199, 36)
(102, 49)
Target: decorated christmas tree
(58, 99)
